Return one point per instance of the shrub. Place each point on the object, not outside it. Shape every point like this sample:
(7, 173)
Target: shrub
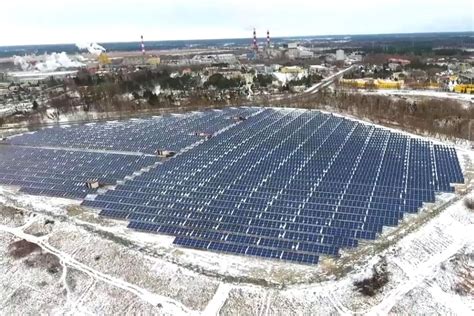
(469, 203)
(22, 248)
(379, 278)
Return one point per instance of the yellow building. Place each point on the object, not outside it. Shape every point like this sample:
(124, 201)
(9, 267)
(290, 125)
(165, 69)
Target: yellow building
(104, 59)
(375, 84)
(355, 83)
(464, 88)
(388, 84)
(433, 86)
(140, 60)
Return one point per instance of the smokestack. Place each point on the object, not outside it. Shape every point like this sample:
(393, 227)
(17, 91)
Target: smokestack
(255, 44)
(143, 47)
(268, 38)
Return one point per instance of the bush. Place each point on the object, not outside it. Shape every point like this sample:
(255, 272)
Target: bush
(469, 203)
(263, 80)
(47, 261)
(22, 248)
(220, 82)
(379, 278)
(443, 117)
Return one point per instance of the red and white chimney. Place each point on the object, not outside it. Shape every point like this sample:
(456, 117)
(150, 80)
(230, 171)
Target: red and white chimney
(255, 44)
(143, 47)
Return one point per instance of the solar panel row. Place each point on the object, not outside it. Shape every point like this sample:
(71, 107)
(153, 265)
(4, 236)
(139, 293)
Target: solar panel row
(63, 173)
(171, 132)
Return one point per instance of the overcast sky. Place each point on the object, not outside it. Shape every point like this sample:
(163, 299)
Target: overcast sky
(60, 21)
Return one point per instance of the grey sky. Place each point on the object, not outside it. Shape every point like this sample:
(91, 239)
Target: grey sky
(59, 21)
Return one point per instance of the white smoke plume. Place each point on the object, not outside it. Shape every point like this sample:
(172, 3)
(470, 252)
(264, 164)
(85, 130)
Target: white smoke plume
(92, 48)
(22, 62)
(55, 61)
(49, 63)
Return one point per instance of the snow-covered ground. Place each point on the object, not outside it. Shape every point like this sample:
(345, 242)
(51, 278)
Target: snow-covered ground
(108, 269)
(423, 93)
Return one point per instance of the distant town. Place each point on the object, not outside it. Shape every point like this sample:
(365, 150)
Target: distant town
(34, 88)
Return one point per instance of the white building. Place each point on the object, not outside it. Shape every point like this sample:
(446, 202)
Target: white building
(292, 45)
(36, 76)
(340, 56)
(214, 59)
(304, 53)
(299, 53)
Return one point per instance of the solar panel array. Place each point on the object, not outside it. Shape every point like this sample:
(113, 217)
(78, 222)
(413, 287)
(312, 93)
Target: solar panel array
(284, 184)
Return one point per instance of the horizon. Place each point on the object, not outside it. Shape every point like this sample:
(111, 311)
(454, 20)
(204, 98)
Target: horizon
(107, 21)
(249, 37)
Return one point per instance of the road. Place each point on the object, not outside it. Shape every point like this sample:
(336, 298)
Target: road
(308, 93)
(328, 81)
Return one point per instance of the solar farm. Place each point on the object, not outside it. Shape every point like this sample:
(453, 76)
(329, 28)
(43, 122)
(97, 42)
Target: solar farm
(284, 184)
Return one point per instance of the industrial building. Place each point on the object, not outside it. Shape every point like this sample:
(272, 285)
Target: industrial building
(298, 53)
(147, 61)
(213, 59)
(36, 76)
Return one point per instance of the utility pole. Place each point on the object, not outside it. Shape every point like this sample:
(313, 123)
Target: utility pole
(143, 51)
(470, 129)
